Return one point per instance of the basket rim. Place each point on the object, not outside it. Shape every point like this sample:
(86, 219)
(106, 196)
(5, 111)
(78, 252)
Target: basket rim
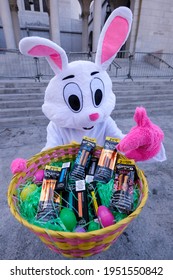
(83, 235)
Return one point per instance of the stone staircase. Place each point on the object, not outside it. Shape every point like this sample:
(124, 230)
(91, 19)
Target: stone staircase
(21, 101)
(156, 96)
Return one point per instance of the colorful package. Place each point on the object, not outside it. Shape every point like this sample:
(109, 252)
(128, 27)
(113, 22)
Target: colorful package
(82, 160)
(48, 210)
(107, 160)
(122, 196)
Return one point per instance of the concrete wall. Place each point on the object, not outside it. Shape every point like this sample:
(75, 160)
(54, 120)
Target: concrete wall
(155, 31)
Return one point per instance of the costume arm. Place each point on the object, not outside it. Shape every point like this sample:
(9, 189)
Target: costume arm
(53, 137)
(160, 156)
(112, 129)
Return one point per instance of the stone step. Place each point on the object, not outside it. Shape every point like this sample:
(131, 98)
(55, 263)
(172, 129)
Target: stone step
(23, 90)
(22, 84)
(27, 99)
(129, 113)
(24, 121)
(33, 107)
(20, 112)
(162, 105)
(23, 81)
(142, 92)
(118, 84)
(30, 92)
(117, 87)
(142, 97)
(21, 107)
(43, 121)
(147, 86)
(21, 103)
(21, 96)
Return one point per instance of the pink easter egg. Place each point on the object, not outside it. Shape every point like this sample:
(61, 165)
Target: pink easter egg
(38, 176)
(105, 216)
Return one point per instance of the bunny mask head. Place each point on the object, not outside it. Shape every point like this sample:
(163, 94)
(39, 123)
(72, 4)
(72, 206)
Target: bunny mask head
(80, 95)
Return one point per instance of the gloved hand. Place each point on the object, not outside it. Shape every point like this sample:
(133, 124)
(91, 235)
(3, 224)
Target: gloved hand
(143, 141)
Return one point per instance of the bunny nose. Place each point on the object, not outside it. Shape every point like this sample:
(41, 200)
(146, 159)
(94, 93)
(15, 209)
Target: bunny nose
(94, 117)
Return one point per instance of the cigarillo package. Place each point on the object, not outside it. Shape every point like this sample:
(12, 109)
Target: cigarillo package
(47, 209)
(82, 202)
(107, 160)
(92, 166)
(125, 174)
(63, 177)
(122, 196)
(91, 170)
(82, 160)
(93, 198)
(69, 198)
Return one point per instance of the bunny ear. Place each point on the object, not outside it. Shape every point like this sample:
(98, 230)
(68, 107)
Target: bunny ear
(113, 36)
(42, 47)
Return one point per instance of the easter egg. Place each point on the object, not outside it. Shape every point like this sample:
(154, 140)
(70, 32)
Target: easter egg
(27, 190)
(38, 176)
(105, 216)
(93, 226)
(79, 229)
(68, 218)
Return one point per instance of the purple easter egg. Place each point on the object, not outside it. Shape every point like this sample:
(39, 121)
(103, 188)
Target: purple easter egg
(79, 229)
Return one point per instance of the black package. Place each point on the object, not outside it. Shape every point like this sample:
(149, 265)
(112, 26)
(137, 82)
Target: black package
(82, 160)
(107, 160)
(82, 202)
(47, 210)
(122, 196)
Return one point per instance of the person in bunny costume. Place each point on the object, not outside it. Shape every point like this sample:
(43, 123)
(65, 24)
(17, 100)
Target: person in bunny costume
(79, 99)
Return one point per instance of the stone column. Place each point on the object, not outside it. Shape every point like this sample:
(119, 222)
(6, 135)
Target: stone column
(41, 5)
(7, 24)
(85, 6)
(85, 31)
(96, 23)
(15, 20)
(54, 21)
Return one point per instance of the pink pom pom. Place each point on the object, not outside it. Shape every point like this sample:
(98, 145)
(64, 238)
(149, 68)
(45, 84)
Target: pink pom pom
(18, 165)
(38, 176)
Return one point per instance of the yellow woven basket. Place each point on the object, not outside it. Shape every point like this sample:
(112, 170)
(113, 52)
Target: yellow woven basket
(71, 244)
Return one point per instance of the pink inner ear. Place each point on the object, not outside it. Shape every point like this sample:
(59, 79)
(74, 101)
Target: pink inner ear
(114, 37)
(41, 50)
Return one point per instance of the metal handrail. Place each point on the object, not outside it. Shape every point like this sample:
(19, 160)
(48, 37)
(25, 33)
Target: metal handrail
(126, 64)
(160, 59)
(115, 64)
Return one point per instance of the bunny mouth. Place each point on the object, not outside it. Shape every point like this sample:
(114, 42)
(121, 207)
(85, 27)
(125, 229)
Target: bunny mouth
(88, 128)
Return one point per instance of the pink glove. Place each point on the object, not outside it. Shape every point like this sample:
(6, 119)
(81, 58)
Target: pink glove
(144, 140)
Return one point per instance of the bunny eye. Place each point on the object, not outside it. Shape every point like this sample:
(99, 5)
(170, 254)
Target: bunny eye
(73, 97)
(97, 89)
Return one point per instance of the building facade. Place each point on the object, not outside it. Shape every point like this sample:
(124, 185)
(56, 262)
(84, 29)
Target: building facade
(76, 24)
(39, 18)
